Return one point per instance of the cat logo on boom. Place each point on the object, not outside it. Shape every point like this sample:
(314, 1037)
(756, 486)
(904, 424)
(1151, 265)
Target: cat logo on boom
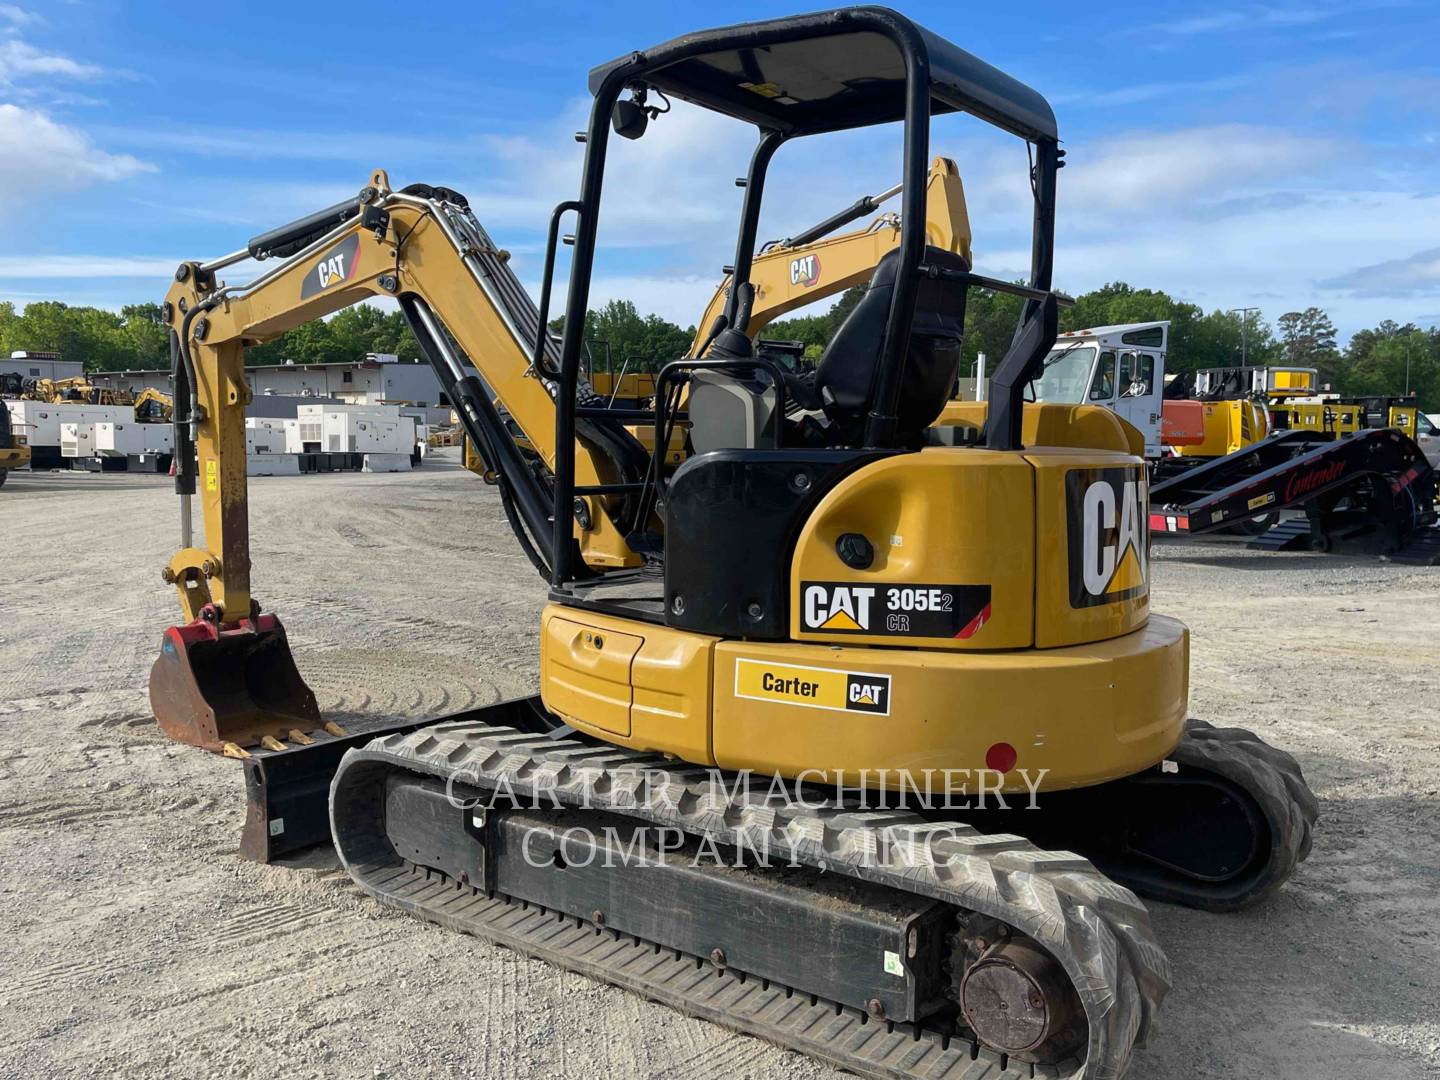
(805, 270)
(335, 266)
(1109, 535)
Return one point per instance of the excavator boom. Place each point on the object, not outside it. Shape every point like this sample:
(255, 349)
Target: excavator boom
(225, 677)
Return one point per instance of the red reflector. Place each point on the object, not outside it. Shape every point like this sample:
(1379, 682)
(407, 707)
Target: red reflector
(1001, 757)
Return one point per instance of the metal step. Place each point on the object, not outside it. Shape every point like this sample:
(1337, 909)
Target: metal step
(1290, 535)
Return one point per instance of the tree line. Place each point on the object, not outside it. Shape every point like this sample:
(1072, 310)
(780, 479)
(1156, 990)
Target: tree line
(1384, 359)
(136, 338)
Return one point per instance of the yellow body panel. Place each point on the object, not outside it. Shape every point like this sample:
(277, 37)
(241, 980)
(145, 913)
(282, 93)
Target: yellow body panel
(14, 457)
(630, 385)
(947, 516)
(1292, 379)
(1229, 426)
(1056, 541)
(1092, 576)
(1085, 714)
(1082, 714)
(587, 672)
(1062, 564)
(669, 673)
(1089, 426)
(645, 435)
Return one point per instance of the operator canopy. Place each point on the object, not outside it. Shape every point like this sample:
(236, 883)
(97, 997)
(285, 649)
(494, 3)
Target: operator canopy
(829, 71)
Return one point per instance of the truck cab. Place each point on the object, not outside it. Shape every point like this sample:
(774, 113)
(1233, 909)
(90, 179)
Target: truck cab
(1121, 367)
(1427, 435)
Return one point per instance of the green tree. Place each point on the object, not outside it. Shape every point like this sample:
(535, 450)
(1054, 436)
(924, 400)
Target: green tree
(619, 335)
(816, 330)
(1307, 337)
(145, 336)
(1389, 359)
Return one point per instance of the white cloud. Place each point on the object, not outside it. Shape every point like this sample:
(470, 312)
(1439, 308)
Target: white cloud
(673, 187)
(20, 59)
(1260, 17)
(1278, 257)
(38, 155)
(18, 16)
(1147, 171)
(1418, 273)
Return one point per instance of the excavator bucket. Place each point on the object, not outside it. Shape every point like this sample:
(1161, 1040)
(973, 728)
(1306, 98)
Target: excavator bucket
(227, 687)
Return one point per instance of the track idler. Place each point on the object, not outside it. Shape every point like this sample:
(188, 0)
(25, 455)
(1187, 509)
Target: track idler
(225, 686)
(1013, 994)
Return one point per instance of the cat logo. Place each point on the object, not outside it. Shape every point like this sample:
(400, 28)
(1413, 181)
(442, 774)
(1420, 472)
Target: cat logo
(1109, 535)
(867, 693)
(805, 270)
(813, 687)
(335, 266)
(837, 607)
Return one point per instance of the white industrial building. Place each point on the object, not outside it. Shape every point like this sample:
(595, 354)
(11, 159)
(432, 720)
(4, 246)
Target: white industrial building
(372, 381)
(41, 365)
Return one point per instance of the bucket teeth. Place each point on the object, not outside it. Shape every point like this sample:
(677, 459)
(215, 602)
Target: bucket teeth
(234, 750)
(298, 736)
(269, 742)
(335, 729)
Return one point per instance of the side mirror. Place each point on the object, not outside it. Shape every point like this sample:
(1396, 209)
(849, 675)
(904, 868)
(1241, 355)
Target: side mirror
(629, 119)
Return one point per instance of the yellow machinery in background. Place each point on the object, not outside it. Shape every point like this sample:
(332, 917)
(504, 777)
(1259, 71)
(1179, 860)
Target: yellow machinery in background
(153, 406)
(1225, 427)
(78, 388)
(874, 621)
(14, 454)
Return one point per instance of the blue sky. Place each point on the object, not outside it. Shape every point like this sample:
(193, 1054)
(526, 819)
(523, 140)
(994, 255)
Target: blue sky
(1273, 155)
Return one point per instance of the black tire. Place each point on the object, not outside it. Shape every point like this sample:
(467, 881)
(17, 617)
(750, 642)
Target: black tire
(1258, 525)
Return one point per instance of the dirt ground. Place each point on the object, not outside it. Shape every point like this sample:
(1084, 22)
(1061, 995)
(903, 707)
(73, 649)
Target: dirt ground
(134, 941)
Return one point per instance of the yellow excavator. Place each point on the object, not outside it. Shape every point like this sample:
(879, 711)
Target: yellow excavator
(794, 690)
(153, 406)
(77, 388)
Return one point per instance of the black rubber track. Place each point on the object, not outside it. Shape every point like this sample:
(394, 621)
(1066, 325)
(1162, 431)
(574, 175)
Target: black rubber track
(1098, 930)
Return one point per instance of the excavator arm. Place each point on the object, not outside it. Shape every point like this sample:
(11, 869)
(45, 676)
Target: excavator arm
(793, 273)
(228, 664)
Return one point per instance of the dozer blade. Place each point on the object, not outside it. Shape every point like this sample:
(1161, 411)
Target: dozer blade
(233, 684)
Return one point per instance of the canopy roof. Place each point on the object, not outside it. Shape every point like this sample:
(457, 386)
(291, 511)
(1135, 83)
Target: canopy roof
(829, 71)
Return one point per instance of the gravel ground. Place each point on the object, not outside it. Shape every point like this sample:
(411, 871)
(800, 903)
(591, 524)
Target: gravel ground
(134, 941)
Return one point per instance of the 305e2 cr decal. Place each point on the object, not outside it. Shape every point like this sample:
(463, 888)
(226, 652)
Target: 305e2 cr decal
(933, 611)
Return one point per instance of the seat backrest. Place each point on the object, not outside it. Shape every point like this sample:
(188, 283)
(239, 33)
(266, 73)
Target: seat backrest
(845, 375)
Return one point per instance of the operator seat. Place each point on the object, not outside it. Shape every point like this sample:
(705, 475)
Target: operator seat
(844, 379)
(728, 411)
